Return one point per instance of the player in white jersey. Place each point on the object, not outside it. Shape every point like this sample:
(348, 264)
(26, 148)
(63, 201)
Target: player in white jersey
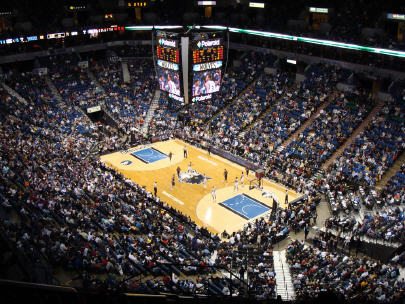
(196, 88)
(204, 181)
(214, 194)
(171, 85)
(209, 84)
(242, 179)
(161, 82)
(236, 185)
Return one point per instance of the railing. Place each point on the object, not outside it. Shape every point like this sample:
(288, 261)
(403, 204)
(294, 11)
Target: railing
(232, 275)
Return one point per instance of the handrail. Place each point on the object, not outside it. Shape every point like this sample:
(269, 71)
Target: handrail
(217, 267)
(39, 286)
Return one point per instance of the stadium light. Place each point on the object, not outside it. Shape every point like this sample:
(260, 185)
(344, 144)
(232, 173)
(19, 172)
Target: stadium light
(139, 28)
(395, 16)
(256, 4)
(214, 27)
(151, 27)
(167, 27)
(207, 3)
(320, 10)
(329, 43)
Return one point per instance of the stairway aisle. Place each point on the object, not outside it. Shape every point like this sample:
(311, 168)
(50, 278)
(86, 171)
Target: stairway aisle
(95, 81)
(307, 123)
(353, 136)
(13, 93)
(249, 86)
(125, 72)
(258, 118)
(151, 112)
(284, 283)
(391, 171)
(53, 89)
(59, 98)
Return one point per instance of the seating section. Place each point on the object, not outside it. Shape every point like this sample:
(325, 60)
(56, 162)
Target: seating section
(375, 149)
(292, 107)
(63, 209)
(128, 102)
(236, 79)
(165, 121)
(316, 270)
(393, 192)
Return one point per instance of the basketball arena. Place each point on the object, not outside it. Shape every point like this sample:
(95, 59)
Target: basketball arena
(227, 151)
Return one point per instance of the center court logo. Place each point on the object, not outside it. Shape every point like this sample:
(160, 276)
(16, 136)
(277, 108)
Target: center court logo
(126, 162)
(192, 177)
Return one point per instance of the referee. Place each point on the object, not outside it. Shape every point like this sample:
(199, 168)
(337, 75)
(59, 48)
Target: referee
(155, 188)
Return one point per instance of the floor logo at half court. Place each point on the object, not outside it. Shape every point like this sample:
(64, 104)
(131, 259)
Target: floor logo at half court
(126, 162)
(192, 177)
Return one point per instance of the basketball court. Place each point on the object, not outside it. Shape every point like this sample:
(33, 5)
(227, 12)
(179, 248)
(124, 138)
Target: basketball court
(192, 193)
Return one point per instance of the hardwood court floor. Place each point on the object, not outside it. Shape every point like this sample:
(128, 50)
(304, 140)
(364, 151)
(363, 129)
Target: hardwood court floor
(195, 200)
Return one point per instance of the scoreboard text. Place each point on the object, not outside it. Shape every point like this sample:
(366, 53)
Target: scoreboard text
(208, 54)
(168, 54)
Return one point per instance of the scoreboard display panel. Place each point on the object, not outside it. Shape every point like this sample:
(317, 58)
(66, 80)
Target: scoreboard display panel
(169, 81)
(207, 62)
(168, 54)
(168, 63)
(206, 82)
(209, 54)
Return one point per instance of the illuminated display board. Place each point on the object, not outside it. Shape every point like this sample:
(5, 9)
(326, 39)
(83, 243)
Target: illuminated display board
(207, 63)
(208, 54)
(169, 81)
(396, 16)
(319, 10)
(168, 63)
(168, 54)
(206, 82)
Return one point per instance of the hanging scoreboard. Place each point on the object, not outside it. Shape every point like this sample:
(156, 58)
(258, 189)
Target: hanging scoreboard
(168, 63)
(207, 63)
(189, 65)
(168, 54)
(208, 54)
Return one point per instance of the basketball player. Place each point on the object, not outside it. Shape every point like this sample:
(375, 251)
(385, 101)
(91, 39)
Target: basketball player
(196, 88)
(210, 86)
(171, 84)
(286, 197)
(214, 194)
(162, 82)
(225, 175)
(236, 185)
(242, 179)
(190, 169)
(185, 153)
(170, 155)
(178, 172)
